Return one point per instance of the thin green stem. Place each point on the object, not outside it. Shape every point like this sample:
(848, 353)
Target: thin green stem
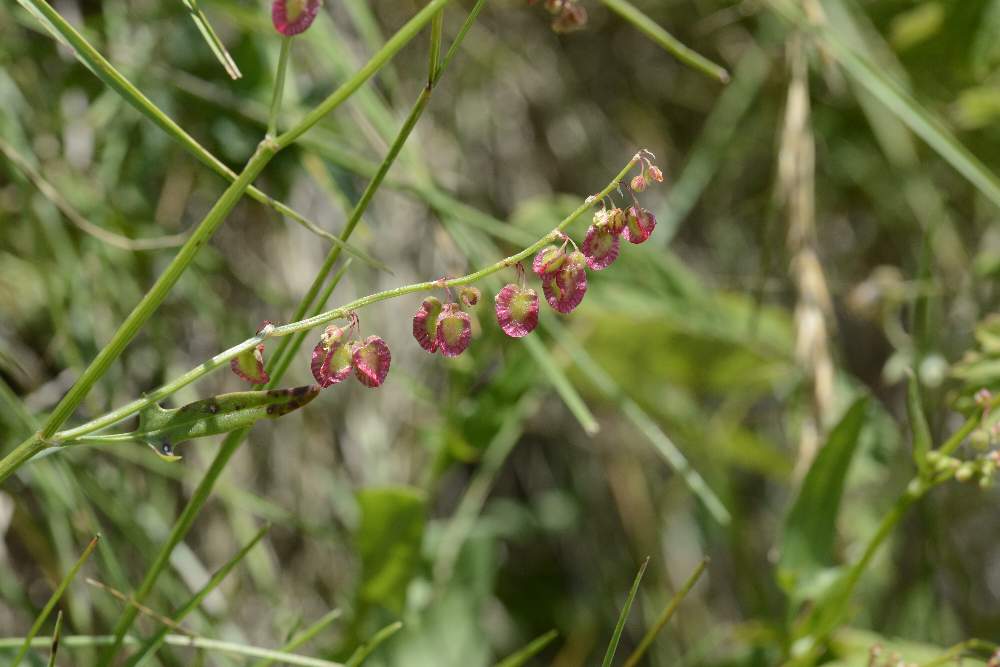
(368, 646)
(654, 31)
(279, 86)
(665, 615)
(339, 313)
(437, 26)
(459, 38)
(303, 637)
(53, 600)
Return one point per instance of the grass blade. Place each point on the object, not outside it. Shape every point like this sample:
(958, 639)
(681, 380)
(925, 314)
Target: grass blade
(671, 44)
(609, 655)
(665, 615)
(302, 637)
(567, 392)
(154, 642)
(212, 39)
(918, 424)
(534, 647)
(894, 96)
(366, 649)
(54, 599)
(55, 640)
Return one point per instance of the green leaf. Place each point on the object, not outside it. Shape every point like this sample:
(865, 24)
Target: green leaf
(918, 424)
(811, 526)
(388, 541)
(609, 655)
(161, 428)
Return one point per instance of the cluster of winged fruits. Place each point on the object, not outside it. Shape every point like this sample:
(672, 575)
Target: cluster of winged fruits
(446, 328)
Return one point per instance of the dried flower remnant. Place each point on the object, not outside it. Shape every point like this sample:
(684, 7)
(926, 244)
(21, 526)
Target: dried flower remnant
(565, 290)
(371, 361)
(571, 18)
(291, 17)
(425, 322)
(655, 173)
(600, 247)
(639, 225)
(517, 310)
(331, 359)
(469, 295)
(454, 330)
(614, 220)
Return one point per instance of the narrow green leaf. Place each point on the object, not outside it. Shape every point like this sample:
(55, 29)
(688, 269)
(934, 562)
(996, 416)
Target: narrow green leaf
(53, 600)
(671, 44)
(609, 655)
(918, 424)
(533, 648)
(367, 648)
(811, 525)
(557, 377)
(666, 615)
(218, 414)
(388, 541)
(300, 638)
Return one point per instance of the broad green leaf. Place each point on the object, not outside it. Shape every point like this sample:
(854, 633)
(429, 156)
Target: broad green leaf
(161, 429)
(811, 526)
(388, 541)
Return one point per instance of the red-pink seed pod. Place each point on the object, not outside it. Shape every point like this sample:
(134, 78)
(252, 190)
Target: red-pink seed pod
(425, 323)
(331, 359)
(566, 289)
(548, 260)
(249, 365)
(638, 183)
(639, 225)
(454, 330)
(517, 310)
(615, 221)
(291, 17)
(655, 173)
(371, 361)
(600, 247)
(470, 295)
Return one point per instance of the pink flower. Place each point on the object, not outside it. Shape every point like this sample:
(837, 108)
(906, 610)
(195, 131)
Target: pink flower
(547, 261)
(249, 365)
(565, 290)
(425, 323)
(454, 330)
(600, 247)
(614, 220)
(655, 173)
(331, 360)
(290, 17)
(639, 225)
(371, 361)
(517, 310)
(638, 183)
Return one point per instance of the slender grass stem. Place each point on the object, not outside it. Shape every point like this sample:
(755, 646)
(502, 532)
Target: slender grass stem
(279, 86)
(654, 31)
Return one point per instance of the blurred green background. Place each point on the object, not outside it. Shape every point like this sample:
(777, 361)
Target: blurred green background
(828, 221)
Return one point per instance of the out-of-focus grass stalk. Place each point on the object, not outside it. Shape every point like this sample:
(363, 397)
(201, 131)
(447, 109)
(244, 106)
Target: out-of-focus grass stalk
(655, 32)
(154, 642)
(212, 39)
(533, 648)
(53, 600)
(301, 638)
(368, 646)
(279, 86)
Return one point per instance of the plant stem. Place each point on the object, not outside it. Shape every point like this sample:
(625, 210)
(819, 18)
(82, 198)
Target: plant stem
(279, 87)
(670, 43)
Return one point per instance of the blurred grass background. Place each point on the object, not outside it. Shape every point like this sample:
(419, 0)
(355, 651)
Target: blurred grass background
(822, 229)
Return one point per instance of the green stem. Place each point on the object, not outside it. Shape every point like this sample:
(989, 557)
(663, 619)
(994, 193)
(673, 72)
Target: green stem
(338, 313)
(437, 26)
(670, 43)
(279, 87)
